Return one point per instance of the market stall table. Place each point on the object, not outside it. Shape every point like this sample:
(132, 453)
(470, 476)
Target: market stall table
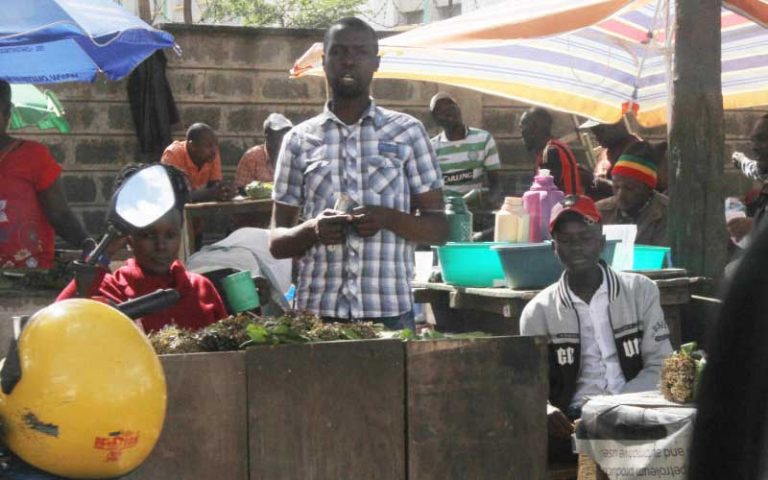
(241, 213)
(497, 310)
(636, 435)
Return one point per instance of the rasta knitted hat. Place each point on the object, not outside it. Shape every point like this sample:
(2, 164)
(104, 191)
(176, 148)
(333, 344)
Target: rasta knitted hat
(639, 168)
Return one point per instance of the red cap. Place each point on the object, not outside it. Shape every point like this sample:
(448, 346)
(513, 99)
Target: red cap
(581, 204)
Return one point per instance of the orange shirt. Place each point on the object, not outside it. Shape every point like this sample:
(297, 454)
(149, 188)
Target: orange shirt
(176, 155)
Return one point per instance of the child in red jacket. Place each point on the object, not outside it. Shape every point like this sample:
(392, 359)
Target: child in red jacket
(155, 266)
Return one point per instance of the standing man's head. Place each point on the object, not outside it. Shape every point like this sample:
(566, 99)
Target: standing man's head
(536, 128)
(634, 177)
(5, 105)
(608, 135)
(202, 144)
(577, 234)
(446, 112)
(759, 138)
(350, 57)
(275, 128)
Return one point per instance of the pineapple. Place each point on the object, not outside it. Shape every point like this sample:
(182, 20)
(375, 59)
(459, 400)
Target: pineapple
(680, 374)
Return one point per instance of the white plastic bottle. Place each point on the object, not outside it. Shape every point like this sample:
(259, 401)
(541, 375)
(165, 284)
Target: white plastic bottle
(512, 221)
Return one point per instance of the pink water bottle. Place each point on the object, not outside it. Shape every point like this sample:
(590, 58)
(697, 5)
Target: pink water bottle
(538, 202)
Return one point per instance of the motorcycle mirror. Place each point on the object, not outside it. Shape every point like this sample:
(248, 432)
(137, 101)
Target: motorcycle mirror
(143, 199)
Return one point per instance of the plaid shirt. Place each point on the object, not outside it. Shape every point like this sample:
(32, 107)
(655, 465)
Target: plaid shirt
(384, 159)
(254, 165)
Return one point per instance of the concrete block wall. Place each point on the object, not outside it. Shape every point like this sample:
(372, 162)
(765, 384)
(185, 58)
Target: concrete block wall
(233, 77)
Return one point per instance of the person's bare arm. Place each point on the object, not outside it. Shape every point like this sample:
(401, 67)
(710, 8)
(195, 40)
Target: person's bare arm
(558, 424)
(427, 226)
(214, 191)
(287, 239)
(59, 214)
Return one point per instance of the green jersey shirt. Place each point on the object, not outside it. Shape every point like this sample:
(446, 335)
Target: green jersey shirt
(464, 162)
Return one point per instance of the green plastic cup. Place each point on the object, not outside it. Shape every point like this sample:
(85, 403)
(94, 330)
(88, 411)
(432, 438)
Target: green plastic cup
(240, 291)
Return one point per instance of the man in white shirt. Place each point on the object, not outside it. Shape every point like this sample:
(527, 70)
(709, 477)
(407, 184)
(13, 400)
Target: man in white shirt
(606, 329)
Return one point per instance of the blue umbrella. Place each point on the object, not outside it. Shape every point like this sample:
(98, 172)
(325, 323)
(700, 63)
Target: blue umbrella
(51, 41)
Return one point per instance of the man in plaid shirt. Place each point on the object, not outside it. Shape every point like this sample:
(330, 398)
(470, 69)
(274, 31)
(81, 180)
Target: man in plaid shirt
(356, 187)
(258, 163)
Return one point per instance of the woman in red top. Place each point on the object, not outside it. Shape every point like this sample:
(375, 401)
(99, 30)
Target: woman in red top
(33, 207)
(155, 266)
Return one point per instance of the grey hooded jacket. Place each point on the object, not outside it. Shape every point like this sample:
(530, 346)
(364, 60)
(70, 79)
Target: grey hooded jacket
(639, 331)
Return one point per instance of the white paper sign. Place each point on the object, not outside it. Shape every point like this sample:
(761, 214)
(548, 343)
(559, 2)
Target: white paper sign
(624, 257)
(666, 458)
(616, 426)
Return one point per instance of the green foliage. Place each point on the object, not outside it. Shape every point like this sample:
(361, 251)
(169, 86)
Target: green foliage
(259, 190)
(407, 335)
(282, 13)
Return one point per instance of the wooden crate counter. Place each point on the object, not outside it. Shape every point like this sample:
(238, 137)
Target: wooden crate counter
(246, 212)
(371, 409)
(476, 409)
(328, 410)
(205, 435)
(497, 310)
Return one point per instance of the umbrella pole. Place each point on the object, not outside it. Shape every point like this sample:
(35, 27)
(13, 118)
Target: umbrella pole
(696, 223)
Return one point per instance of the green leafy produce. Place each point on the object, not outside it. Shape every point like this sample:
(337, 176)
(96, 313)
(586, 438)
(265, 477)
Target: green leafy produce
(259, 190)
(225, 335)
(246, 329)
(292, 327)
(172, 339)
(345, 331)
(407, 335)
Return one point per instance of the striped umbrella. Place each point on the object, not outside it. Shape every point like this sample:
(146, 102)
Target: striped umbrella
(594, 58)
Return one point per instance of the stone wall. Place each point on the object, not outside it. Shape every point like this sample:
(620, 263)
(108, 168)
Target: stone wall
(233, 77)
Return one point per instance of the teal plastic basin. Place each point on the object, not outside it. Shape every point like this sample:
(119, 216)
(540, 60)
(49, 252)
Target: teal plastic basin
(649, 257)
(534, 265)
(471, 264)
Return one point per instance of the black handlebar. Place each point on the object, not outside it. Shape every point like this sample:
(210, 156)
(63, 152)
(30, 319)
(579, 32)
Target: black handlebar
(152, 302)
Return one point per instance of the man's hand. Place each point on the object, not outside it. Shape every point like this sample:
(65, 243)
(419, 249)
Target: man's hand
(224, 191)
(88, 245)
(331, 226)
(369, 220)
(558, 424)
(739, 227)
(115, 246)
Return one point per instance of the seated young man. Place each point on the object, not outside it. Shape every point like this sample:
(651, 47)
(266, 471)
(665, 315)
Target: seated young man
(605, 329)
(155, 266)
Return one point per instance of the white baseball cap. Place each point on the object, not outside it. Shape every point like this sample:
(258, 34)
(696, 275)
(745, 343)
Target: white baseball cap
(589, 124)
(276, 121)
(440, 96)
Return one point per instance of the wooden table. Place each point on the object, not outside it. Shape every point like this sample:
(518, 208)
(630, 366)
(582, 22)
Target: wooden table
(497, 310)
(246, 212)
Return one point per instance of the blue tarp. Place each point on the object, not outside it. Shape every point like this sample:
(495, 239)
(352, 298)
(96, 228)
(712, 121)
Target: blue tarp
(51, 41)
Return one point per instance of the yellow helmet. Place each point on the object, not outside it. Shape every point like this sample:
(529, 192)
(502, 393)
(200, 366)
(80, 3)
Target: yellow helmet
(90, 402)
